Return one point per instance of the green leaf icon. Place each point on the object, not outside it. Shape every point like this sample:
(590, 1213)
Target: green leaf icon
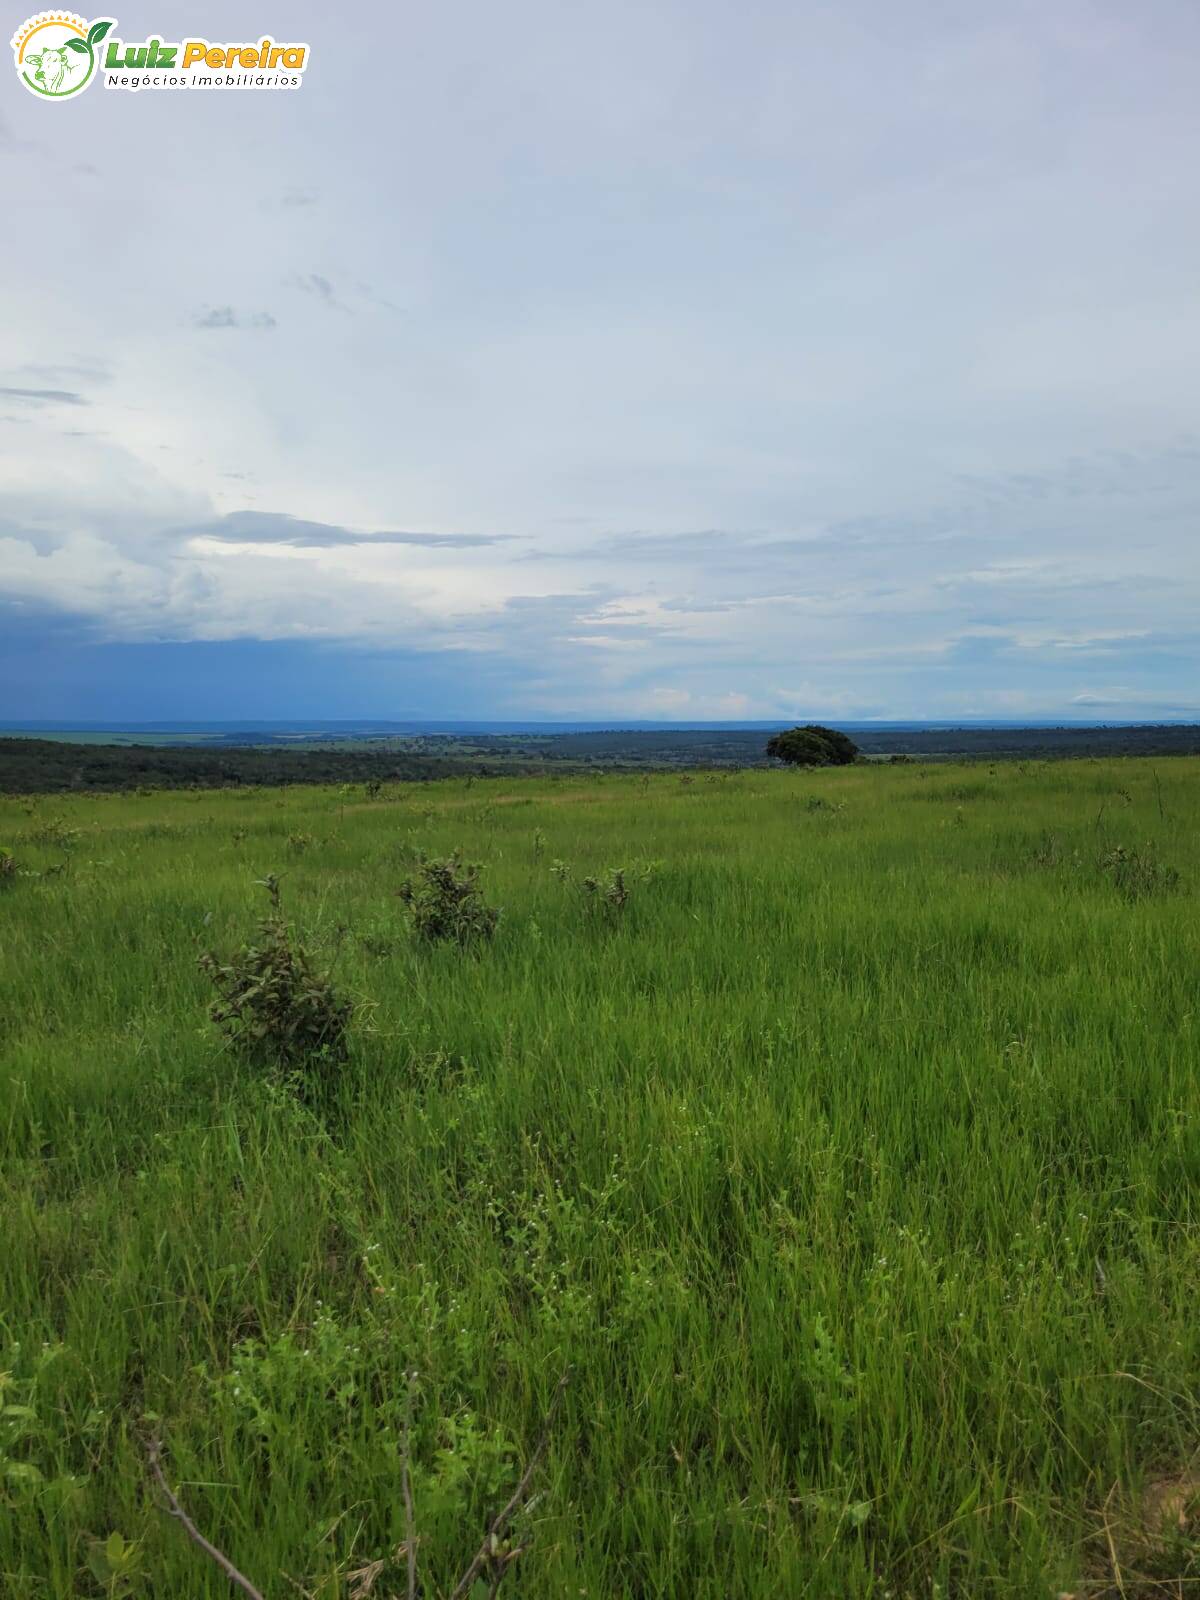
(97, 31)
(77, 44)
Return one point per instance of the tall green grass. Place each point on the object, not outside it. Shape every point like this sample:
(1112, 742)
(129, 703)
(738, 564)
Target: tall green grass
(853, 1169)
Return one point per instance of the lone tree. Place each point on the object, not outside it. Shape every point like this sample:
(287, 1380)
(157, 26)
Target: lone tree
(812, 746)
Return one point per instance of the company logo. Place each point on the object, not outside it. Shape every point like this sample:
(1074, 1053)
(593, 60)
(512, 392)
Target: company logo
(56, 53)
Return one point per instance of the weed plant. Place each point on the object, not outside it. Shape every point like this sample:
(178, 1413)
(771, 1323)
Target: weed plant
(272, 1004)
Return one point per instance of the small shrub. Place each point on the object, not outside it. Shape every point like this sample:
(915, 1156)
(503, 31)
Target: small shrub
(818, 804)
(298, 843)
(8, 867)
(1048, 851)
(373, 788)
(613, 895)
(116, 1564)
(468, 1461)
(1138, 874)
(899, 760)
(55, 834)
(272, 1004)
(445, 902)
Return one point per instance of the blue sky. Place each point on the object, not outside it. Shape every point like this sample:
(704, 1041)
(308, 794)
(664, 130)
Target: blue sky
(644, 360)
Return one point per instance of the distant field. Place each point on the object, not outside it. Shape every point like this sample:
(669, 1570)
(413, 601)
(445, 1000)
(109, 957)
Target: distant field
(853, 1169)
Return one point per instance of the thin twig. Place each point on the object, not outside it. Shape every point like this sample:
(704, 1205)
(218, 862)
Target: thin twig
(487, 1549)
(175, 1510)
(410, 1541)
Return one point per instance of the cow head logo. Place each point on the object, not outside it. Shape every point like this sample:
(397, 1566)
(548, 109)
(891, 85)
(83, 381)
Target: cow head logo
(56, 53)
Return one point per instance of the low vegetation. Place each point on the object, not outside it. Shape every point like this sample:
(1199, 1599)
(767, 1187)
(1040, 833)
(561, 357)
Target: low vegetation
(445, 902)
(849, 1161)
(273, 1005)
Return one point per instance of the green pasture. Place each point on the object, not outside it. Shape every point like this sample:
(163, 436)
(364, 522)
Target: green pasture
(852, 1170)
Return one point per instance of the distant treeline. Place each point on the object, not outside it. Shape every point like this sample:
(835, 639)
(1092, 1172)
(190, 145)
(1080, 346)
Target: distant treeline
(721, 747)
(1167, 739)
(46, 766)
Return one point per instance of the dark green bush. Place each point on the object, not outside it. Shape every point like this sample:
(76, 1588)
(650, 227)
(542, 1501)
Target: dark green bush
(612, 894)
(272, 1003)
(445, 902)
(1138, 874)
(812, 746)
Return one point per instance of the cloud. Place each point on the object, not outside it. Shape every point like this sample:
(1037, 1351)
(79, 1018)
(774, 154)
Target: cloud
(277, 527)
(227, 317)
(314, 284)
(1130, 700)
(747, 550)
(857, 616)
(43, 397)
(323, 290)
(90, 371)
(1105, 643)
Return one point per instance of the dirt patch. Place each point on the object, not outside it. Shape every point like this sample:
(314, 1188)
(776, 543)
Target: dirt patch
(1147, 1546)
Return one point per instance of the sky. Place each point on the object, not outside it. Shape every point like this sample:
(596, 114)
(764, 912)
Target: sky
(646, 360)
